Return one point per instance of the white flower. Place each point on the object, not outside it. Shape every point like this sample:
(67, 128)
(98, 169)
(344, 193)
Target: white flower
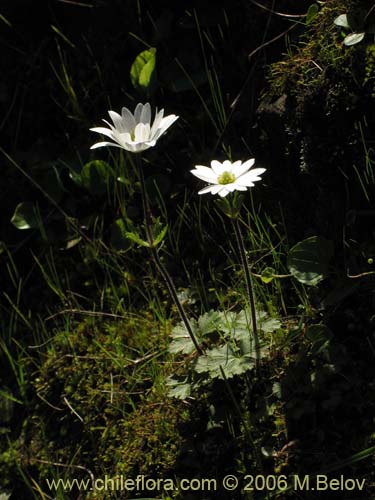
(227, 177)
(134, 132)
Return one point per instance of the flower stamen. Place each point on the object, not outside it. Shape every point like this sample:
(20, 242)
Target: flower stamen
(226, 178)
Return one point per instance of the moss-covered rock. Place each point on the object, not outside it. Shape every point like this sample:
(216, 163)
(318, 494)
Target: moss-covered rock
(317, 115)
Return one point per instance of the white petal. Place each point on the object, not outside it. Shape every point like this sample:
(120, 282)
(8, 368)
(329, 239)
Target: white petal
(102, 144)
(142, 132)
(249, 163)
(223, 192)
(208, 189)
(128, 121)
(146, 114)
(165, 123)
(205, 174)
(138, 112)
(157, 120)
(117, 120)
(250, 177)
(217, 167)
(110, 125)
(240, 188)
(103, 131)
(227, 165)
(244, 167)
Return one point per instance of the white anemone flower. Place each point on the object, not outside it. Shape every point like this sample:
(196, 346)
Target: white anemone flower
(133, 131)
(227, 177)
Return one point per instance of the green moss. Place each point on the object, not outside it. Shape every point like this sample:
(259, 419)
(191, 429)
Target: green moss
(100, 406)
(369, 79)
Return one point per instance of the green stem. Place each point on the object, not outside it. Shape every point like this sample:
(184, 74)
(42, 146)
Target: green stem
(249, 286)
(161, 268)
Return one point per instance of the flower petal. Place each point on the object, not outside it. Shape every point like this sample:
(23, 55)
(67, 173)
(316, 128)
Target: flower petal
(102, 144)
(103, 131)
(205, 174)
(207, 189)
(244, 167)
(128, 121)
(157, 120)
(223, 192)
(117, 120)
(146, 114)
(165, 123)
(247, 179)
(217, 167)
(142, 132)
(138, 112)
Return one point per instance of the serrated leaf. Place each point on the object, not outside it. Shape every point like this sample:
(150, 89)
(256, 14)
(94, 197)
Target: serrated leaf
(179, 389)
(181, 342)
(223, 358)
(342, 20)
(242, 322)
(308, 260)
(26, 216)
(142, 72)
(353, 39)
(210, 322)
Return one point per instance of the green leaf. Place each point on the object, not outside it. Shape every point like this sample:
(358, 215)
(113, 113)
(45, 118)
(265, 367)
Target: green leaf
(142, 72)
(158, 232)
(136, 238)
(210, 322)
(308, 260)
(223, 358)
(181, 342)
(7, 401)
(53, 185)
(26, 216)
(241, 322)
(179, 389)
(342, 21)
(311, 13)
(267, 275)
(353, 39)
(97, 177)
(230, 206)
(119, 240)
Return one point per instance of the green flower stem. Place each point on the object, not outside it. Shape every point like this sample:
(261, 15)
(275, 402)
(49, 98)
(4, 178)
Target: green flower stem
(249, 285)
(161, 268)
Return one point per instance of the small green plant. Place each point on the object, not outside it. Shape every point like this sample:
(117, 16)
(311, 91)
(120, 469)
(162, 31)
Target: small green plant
(229, 350)
(359, 23)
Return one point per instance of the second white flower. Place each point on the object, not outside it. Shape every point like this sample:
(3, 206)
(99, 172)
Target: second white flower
(227, 177)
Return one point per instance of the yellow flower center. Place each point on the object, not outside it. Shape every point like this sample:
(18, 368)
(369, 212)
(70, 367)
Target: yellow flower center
(226, 178)
(132, 135)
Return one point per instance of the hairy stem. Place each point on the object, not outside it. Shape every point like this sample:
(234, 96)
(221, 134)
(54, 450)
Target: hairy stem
(161, 268)
(249, 286)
